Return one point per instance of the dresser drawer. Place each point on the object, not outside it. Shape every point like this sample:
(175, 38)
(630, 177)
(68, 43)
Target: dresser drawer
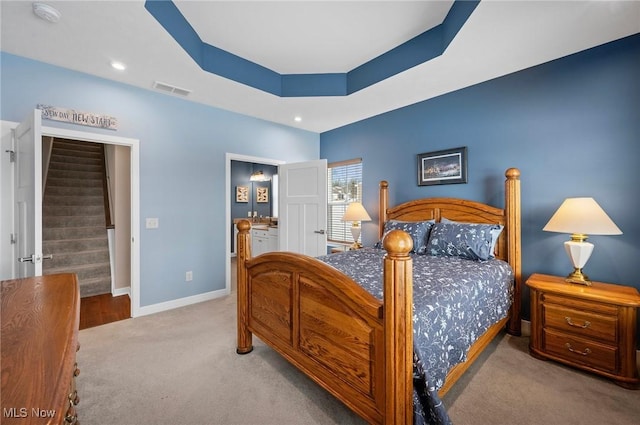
(584, 323)
(581, 351)
(259, 233)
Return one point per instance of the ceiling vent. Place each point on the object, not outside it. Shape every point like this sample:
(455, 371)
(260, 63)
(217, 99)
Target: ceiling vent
(170, 89)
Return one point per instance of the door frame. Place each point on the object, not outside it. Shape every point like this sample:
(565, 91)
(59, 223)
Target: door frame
(134, 145)
(228, 190)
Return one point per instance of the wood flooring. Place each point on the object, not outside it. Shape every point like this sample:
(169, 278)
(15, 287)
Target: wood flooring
(101, 309)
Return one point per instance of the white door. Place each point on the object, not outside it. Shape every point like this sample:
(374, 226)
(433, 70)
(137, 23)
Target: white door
(303, 207)
(28, 195)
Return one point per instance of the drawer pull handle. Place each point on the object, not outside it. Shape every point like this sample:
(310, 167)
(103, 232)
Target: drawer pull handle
(585, 325)
(586, 351)
(73, 398)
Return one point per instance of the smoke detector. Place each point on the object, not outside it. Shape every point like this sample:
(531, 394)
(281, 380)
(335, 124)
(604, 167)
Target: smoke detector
(46, 12)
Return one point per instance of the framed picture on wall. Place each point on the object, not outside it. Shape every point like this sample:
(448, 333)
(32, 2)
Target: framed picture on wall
(443, 167)
(262, 194)
(242, 193)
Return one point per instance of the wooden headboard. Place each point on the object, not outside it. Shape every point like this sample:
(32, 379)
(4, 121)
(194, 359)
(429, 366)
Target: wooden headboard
(508, 247)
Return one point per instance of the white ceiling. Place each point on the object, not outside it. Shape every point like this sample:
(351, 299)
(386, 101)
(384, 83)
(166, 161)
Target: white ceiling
(298, 37)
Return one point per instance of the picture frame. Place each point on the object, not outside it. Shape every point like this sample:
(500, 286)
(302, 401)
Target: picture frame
(447, 166)
(242, 193)
(262, 195)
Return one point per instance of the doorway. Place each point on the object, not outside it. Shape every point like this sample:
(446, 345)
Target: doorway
(228, 193)
(131, 216)
(133, 213)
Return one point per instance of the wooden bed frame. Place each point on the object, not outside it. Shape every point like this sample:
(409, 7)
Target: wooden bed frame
(357, 347)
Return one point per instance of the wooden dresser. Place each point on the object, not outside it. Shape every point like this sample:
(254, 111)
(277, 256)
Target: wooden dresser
(40, 320)
(589, 327)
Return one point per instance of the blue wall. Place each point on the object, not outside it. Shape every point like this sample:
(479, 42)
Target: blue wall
(572, 126)
(182, 164)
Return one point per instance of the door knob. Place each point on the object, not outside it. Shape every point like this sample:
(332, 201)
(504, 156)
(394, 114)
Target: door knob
(35, 259)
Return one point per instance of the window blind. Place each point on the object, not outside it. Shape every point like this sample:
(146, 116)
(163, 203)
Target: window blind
(344, 180)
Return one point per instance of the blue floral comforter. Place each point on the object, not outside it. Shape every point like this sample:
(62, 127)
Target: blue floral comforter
(455, 301)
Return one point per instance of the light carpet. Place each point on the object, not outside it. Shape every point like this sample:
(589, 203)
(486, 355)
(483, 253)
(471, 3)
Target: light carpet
(180, 367)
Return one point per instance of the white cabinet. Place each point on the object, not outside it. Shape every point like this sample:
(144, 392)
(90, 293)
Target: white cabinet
(264, 240)
(273, 238)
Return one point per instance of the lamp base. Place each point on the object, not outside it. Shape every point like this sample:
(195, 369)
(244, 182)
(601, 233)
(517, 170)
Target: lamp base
(578, 277)
(355, 232)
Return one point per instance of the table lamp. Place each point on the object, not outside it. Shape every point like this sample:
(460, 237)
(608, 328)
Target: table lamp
(579, 217)
(355, 213)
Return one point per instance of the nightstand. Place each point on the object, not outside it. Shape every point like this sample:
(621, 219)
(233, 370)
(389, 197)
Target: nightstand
(592, 328)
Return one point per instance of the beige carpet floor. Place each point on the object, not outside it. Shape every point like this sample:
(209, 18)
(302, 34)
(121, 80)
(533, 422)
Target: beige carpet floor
(180, 367)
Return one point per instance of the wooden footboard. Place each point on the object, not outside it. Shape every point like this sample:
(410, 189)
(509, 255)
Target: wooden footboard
(355, 346)
(331, 328)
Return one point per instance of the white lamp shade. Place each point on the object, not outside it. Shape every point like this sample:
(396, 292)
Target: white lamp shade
(356, 212)
(582, 216)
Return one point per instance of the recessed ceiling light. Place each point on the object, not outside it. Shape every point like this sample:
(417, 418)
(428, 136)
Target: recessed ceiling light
(297, 118)
(118, 65)
(46, 12)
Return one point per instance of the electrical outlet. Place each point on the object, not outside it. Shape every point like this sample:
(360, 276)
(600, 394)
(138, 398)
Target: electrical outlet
(189, 276)
(152, 223)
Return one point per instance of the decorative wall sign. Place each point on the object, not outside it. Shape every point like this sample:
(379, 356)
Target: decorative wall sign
(442, 167)
(242, 194)
(262, 194)
(90, 119)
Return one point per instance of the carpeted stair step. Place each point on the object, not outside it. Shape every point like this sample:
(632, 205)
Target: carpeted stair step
(66, 182)
(71, 221)
(84, 272)
(79, 258)
(55, 165)
(95, 286)
(75, 245)
(75, 174)
(96, 278)
(73, 215)
(74, 200)
(57, 233)
(72, 191)
(62, 209)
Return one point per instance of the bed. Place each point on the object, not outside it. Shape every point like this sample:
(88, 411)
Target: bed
(359, 346)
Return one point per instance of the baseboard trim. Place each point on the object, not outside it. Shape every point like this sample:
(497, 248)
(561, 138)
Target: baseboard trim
(181, 302)
(117, 292)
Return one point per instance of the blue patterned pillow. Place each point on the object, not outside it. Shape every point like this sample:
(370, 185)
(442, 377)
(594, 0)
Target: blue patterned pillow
(466, 240)
(418, 230)
(495, 233)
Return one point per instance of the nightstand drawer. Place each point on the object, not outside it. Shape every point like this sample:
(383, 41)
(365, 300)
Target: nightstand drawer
(590, 327)
(584, 323)
(581, 351)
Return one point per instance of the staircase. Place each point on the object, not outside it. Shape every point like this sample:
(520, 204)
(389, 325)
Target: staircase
(73, 216)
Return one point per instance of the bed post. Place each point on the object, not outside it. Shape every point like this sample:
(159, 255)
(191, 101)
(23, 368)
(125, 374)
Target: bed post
(243, 250)
(512, 206)
(384, 204)
(398, 328)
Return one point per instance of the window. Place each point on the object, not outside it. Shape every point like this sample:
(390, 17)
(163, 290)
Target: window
(344, 181)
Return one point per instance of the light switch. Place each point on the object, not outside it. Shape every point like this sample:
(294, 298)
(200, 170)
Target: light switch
(152, 223)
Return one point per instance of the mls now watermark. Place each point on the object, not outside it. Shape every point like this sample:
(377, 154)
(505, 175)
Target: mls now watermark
(23, 412)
